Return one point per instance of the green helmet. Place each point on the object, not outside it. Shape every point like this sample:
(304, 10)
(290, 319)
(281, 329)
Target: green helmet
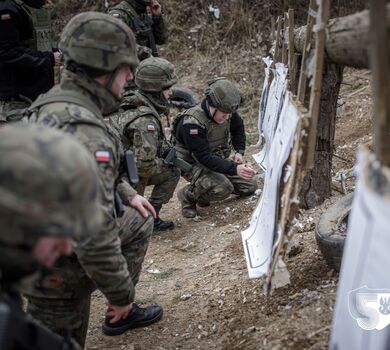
(48, 185)
(155, 75)
(99, 41)
(223, 95)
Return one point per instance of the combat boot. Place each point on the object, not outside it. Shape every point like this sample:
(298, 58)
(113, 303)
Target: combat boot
(188, 208)
(163, 225)
(137, 317)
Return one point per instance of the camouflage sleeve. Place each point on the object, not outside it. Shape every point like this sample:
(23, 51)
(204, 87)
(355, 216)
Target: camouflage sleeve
(125, 191)
(160, 30)
(101, 255)
(144, 136)
(100, 252)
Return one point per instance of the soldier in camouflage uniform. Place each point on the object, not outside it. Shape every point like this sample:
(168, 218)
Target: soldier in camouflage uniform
(99, 53)
(148, 30)
(38, 219)
(139, 123)
(26, 58)
(205, 136)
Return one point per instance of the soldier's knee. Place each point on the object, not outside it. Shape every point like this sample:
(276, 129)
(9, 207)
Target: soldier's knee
(221, 191)
(248, 189)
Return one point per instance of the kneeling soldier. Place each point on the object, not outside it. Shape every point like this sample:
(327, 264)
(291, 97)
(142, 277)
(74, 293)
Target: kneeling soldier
(205, 136)
(139, 123)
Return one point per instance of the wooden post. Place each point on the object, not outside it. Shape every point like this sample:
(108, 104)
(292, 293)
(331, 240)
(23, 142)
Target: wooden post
(291, 51)
(273, 29)
(303, 72)
(319, 54)
(284, 41)
(277, 55)
(380, 79)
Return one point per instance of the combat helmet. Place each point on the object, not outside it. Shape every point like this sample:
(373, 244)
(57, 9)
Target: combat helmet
(48, 185)
(155, 74)
(223, 95)
(98, 41)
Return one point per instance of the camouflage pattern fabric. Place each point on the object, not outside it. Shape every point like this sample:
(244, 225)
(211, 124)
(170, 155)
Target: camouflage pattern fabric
(12, 110)
(98, 41)
(148, 30)
(102, 257)
(142, 132)
(59, 198)
(208, 186)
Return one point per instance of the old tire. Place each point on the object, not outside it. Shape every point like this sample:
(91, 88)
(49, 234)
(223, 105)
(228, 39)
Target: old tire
(182, 98)
(331, 231)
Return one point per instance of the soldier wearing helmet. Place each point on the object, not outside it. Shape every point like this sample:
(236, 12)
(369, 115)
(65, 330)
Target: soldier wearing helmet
(100, 57)
(39, 218)
(205, 136)
(149, 30)
(139, 123)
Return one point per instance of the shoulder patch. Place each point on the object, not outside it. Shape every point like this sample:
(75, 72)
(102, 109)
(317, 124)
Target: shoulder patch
(194, 132)
(151, 127)
(102, 156)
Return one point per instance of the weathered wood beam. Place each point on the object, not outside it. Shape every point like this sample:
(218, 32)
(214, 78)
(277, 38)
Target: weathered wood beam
(348, 39)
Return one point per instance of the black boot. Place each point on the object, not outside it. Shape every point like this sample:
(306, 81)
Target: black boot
(162, 225)
(137, 317)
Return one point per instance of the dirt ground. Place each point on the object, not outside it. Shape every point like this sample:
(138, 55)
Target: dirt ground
(197, 272)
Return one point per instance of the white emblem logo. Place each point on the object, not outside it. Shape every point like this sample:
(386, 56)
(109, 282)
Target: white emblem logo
(370, 307)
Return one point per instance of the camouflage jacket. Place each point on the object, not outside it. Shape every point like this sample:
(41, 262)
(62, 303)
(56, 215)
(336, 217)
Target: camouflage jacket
(99, 255)
(148, 30)
(141, 131)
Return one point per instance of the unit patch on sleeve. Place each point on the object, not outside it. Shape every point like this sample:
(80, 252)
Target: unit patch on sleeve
(151, 127)
(194, 132)
(102, 156)
(5, 17)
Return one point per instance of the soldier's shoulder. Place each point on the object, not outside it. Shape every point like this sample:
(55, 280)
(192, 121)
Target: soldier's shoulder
(123, 9)
(62, 113)
(194, 115)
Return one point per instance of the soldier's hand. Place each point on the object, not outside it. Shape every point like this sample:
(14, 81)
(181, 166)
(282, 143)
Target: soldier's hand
(118, 312)
(155, 8)
(142, 205)
(245, 171)
(237, 158)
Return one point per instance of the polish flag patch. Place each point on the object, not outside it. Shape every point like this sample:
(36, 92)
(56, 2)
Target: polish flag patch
(193, 131)
(5, 17)
(102, 156)
(151, 127)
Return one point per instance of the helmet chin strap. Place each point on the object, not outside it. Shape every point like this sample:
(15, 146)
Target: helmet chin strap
(208, 108)
(110, 82)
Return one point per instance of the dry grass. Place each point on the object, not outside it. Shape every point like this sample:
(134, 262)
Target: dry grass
(231, 46)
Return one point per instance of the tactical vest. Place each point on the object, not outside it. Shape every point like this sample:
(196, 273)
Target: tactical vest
(141, 26)
(218, 135)
(42, 33)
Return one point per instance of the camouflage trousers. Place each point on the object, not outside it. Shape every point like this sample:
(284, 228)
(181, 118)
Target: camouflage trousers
(11, 110)
(208, 186)
(66, 307)
(164, 186)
